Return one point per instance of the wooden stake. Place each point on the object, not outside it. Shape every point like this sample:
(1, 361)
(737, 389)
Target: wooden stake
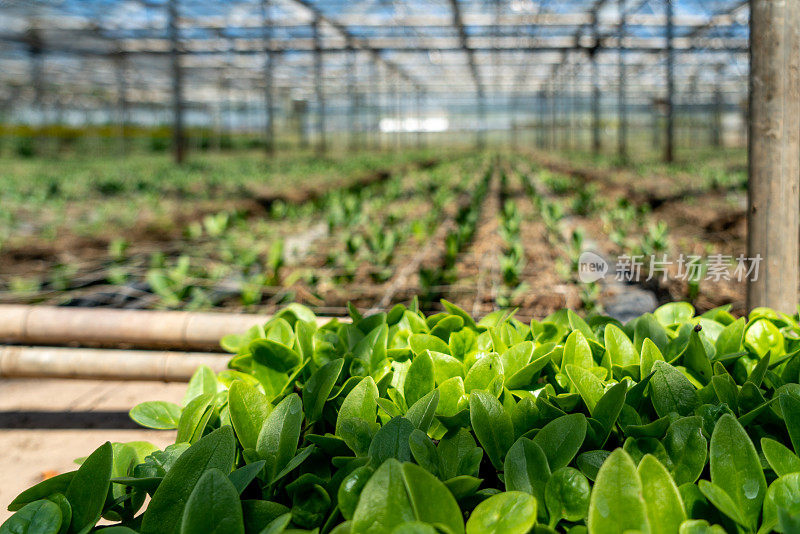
(774, 152)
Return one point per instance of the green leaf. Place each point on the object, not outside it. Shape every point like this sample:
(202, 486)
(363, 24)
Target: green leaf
(194, 418)
(567, 495)
(452, 397)
(687, 449)
(671, 391)
(650, 355)
(360, 403)
(249, 408)
(372, 348)
(735, 468)
(526, 469)
(357, 434)
(589, 462)
(674, 313)
(274, 355)
(790, 409)
(65, 509)
(483, 373)
(649, 328)
(762, 337)
(663, 502)
(525, 376)
(203, 382)
(242, 477)
(391, 441)
(699, 526)
(617, 503)
(165, 511)
(610, 405)
(277, 525)
(620, 347)
(422, 412)
(213, 506)
(511, 512)
(492, 426)
(420, 378)
(576, 322)
(453, 449)
(731, 337)
(258, 513)
(88, 489)
(721, 501)
(424, 451)
(577, 351)
(783, 494)
(780, 458)
(696, 358)
(42, 490)
(350, 489)
(588, 385)
(279, 435)
(159, 415)
(516, 357)
(38, 517)
(419, 343)
(414, 527)
(318, 388)
(451, 308)
(430, 499)
(561, 438)
(445, 367)
(384, 503)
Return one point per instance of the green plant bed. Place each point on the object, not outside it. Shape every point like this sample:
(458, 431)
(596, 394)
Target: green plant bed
(401, 423)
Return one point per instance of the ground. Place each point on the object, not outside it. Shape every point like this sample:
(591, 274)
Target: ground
(47, 424)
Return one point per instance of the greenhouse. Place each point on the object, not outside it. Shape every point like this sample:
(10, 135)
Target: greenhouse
(398, 266)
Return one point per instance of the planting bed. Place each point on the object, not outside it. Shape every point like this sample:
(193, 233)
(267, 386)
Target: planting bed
(402, 422)
(484, 231)
(696, 210)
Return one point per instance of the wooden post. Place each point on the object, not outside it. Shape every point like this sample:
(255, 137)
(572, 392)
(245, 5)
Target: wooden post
(418, 113)
(596, 141)
(717, 126)
(178, 137)
(374, 101)
(318, 90)
(480, 138)
(122, 99)
(553, 116)
(622, 109)
(352, 98)
(656, 124)
(595, 73)
(394, 104)
(774, 153)
(269, 104)
(669, 150)
(540, 120)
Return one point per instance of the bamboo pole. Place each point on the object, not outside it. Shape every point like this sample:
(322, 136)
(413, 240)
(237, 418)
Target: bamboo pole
(104, 364)
(774, 153)
(48, 325)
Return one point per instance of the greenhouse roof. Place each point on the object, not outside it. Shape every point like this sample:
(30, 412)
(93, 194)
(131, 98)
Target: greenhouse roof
(444, 49)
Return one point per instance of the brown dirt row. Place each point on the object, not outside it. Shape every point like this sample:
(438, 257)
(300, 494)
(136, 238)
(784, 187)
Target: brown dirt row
(701, 224)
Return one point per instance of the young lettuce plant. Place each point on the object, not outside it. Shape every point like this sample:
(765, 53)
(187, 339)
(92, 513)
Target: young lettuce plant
(404, 423)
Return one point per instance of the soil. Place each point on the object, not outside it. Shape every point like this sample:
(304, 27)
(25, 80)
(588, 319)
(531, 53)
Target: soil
(700, 222)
